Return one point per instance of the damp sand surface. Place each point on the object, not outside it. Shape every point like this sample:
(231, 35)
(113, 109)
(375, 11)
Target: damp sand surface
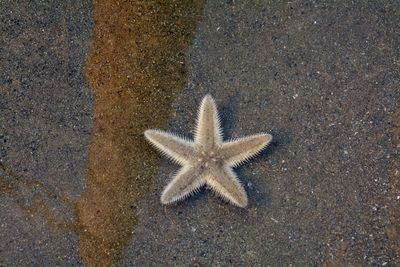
(81, 82)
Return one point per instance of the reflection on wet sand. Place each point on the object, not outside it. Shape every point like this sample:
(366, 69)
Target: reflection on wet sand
(135, 70)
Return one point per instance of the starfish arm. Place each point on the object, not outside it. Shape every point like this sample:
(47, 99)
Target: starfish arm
(186, 182)
(177, 149)
(208, 128)
(226, 184)
(239, 150)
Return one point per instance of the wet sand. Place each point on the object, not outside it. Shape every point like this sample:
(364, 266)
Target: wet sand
(79, 185)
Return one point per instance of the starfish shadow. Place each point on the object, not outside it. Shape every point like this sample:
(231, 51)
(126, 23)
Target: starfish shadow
(192, 200)
(280, 139)
(259, 195)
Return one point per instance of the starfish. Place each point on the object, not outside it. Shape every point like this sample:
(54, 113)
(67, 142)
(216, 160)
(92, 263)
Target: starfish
(207, 160)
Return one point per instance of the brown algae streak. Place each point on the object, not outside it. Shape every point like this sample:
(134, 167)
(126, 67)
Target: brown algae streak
(135, 70)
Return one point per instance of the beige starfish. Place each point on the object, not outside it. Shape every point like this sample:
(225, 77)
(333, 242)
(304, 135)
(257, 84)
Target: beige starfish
(208, 160)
